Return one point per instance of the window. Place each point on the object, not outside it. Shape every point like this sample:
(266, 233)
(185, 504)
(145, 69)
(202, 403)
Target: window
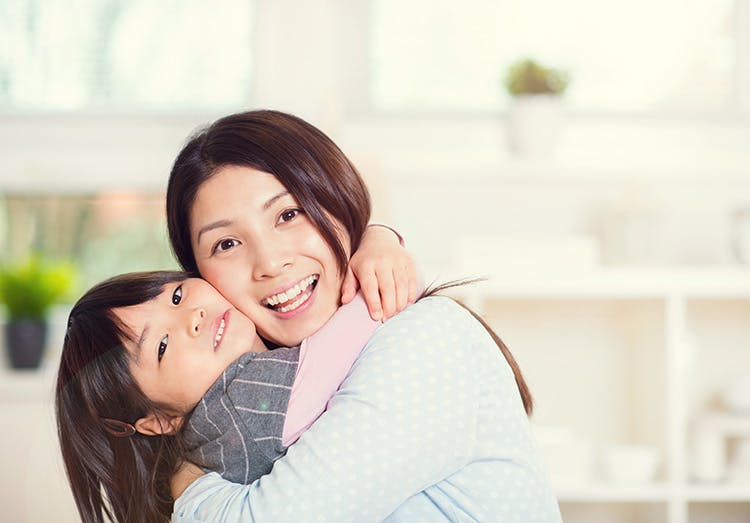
(65, 55)
(644, 56)
(103, 234)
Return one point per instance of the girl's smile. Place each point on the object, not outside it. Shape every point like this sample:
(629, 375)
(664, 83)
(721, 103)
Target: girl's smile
(182, 341)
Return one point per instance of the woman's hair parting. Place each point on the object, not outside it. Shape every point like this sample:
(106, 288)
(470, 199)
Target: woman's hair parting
(115, 473)
(523, 388)
(306, 162)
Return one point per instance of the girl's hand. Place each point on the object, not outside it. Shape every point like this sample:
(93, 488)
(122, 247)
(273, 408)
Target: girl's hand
(385, 272)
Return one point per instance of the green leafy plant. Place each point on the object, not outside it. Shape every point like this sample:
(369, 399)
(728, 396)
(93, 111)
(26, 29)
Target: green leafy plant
(29, 289)
(527, 77)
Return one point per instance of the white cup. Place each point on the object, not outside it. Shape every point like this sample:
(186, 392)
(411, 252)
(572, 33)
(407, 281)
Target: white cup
(631, 464)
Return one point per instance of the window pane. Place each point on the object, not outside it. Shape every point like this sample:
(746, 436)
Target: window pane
(640, 55)
(103, 234)
(124, 54)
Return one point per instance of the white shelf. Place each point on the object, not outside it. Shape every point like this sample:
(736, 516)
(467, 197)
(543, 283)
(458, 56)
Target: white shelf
(720, 493)
(616, 283)
(653, 345)
(654, 492)
(651, 493)
(18, 386)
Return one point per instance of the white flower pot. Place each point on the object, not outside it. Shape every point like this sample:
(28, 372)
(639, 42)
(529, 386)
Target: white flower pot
(534, 125)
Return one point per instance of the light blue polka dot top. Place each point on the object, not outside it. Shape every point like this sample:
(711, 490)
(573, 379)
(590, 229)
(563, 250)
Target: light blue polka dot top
(428, 426)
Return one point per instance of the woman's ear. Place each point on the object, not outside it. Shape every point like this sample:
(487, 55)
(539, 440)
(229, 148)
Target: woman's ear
(156, 424)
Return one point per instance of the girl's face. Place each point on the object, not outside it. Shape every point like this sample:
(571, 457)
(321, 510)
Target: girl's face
(254, 244)
(185, 338)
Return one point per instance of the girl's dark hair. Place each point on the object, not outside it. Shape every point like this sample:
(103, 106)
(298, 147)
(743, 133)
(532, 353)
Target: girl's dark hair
(306, 162)
(523, 388)
(124, 479)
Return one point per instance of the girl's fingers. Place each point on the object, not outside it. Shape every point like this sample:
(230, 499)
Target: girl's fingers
(413, 282)
(401, 278)
(387, 286)
(349, 286)
(368, 284)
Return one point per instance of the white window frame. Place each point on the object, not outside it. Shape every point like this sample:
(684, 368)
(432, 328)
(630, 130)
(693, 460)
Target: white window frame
(359, 101)
(319, 46)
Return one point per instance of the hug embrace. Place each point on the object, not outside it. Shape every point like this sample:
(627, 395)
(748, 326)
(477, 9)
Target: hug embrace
(258, 385)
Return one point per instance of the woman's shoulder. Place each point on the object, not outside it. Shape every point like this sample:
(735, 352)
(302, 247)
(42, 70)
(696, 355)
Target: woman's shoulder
(437, 313)
(433, 320)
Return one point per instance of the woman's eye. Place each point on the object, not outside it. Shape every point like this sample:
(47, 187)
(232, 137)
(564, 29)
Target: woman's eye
(177, 295)
(162, 347)
(225, 245)
(289, 215)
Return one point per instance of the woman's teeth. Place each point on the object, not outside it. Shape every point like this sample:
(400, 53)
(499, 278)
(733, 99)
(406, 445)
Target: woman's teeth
(219, 332)
(293, 297)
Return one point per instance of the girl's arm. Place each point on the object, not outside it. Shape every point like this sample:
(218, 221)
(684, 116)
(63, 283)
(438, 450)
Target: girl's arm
(324, 361)
(384, 271)
(404, 419)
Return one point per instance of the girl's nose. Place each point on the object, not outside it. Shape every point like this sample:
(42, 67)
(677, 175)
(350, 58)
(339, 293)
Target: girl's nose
(197, 317)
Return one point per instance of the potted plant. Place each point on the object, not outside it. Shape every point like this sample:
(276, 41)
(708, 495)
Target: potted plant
(28, 291)
(535, 114)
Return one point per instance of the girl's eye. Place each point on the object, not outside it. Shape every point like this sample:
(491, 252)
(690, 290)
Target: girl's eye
(289, 215)
(225, 245)
(162, 347)
(177, 295)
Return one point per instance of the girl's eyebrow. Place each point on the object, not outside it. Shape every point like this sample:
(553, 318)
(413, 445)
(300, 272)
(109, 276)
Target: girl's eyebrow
(139, 343)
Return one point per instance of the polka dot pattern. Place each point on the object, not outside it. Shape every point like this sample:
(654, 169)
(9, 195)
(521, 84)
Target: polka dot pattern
(428, 426)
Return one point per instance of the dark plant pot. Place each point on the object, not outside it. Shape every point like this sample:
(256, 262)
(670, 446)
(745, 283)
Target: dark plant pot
(25, 340)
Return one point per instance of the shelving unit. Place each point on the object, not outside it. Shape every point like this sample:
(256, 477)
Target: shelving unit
(619, 355)
(628, 356)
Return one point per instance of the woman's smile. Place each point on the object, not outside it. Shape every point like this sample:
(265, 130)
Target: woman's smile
(258, 247)
(294, 296)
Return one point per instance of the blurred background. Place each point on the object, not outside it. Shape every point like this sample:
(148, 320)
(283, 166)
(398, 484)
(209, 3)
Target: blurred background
(609, 208)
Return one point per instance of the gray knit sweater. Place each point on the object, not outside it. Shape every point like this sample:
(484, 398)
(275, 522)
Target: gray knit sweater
(236, 429)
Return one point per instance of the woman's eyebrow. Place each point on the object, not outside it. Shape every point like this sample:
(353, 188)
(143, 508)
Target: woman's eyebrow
(226, 222)
(211, 226)
(274, 199)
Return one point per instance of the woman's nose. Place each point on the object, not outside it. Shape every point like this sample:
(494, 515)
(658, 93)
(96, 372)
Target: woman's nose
(195, 324)
(271, 260)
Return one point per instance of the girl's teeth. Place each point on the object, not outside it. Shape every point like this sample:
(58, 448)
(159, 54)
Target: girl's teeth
(219, 332)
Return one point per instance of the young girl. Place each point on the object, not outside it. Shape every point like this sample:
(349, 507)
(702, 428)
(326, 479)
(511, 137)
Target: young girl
(157, 368)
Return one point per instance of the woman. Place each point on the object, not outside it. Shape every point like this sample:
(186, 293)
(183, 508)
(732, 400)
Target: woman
(431, 423)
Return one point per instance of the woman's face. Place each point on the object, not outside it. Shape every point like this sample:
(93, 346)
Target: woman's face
(254, 244)
(184, 339)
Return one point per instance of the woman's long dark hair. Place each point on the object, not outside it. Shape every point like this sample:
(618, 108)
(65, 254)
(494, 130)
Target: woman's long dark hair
(311, 167)
(523, 388)
(304, 160)
(123, 479)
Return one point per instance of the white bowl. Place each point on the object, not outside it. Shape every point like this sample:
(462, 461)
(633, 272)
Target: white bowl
(629, 463)
(737, 395)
